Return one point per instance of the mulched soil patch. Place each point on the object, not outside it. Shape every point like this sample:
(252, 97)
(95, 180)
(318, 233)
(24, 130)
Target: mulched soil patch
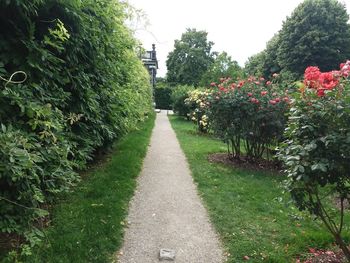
(243, 162)
(325, 256)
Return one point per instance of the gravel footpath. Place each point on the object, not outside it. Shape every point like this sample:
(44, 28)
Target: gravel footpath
(166, 211)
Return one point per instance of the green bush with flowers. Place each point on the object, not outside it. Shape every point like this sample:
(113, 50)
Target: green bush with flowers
(248, 114)
(197, 102)
(316, 152)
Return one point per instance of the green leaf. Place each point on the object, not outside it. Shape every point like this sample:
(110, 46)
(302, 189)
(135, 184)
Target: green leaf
(319, 166)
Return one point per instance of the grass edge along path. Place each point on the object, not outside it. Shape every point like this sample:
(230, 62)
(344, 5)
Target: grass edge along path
(87, 225)
(248, 208)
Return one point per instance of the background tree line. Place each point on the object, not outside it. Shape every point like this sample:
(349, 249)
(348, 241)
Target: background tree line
(316, 33)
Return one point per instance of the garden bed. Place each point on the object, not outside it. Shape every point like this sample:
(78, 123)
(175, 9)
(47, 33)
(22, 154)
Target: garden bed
(244, 163)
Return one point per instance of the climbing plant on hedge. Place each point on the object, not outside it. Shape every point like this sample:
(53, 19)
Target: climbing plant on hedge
(85, 88)
(316, 152)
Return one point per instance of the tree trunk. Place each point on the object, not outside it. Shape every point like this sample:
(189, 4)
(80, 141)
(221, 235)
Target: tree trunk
(343, 246)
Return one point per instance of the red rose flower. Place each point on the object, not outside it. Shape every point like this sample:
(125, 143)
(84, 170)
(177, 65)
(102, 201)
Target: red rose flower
(254, 100)
(328, 81)
(312, 73)
(320, 92)
(286, 99)
(345, 69)
(223, 89)
(311, 77)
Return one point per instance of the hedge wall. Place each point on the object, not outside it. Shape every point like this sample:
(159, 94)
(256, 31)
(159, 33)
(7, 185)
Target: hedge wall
(162, 97)
(85, 88)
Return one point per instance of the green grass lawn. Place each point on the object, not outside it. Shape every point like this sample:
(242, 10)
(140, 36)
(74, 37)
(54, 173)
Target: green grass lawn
(87, 225)
(248, 208)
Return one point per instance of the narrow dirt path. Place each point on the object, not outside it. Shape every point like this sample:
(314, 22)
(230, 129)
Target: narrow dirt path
(166, 211)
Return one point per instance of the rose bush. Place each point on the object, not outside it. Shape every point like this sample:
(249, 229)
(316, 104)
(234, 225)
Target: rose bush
(316, 152)
(248, 113)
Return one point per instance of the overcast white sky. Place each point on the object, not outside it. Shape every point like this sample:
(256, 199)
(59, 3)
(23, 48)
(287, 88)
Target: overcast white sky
(239, 27)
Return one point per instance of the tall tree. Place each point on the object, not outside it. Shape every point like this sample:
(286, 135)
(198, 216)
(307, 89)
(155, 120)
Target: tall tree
(190, 59)
(270, 64)
(265, 62)
(255, 64)
(223, 66)
(317, 33)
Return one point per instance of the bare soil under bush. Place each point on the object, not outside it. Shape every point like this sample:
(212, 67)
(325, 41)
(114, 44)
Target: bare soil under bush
(245, 163)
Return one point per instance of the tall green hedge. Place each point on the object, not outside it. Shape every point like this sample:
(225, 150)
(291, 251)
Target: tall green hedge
(85, 88)
(162, 97)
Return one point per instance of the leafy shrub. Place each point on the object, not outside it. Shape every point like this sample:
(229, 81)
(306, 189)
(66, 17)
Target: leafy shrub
(249, 112)
(178, 97)
(85, 88)
(162, 97)
(223, 65)
(316, 152)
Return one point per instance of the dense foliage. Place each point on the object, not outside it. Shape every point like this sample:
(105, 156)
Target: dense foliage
(178, 96)
(223, 66)
(249, 112)
(317, 33)
(254, 66)
(85, 88)
(190, 59)
(265, 62)
(162, 94)
(316, 152)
